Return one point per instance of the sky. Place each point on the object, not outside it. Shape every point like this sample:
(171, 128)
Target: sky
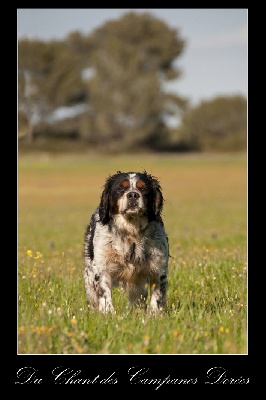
(213, 63)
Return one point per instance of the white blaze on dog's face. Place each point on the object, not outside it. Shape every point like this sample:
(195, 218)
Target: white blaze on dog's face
(131, 201)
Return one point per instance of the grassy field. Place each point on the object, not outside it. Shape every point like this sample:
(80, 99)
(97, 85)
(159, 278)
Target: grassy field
(205, 217)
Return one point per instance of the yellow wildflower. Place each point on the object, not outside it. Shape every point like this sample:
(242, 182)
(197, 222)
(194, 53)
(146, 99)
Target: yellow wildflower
(29, 253)
(38, 255)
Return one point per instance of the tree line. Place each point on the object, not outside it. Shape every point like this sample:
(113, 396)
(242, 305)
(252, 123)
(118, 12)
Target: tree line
(107, 89)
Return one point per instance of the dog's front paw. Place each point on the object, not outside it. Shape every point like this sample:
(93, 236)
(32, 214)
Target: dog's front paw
(105, 306)
(154, 310)
(156, 306)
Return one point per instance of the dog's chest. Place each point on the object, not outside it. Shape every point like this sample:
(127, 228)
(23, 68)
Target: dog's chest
(130, 250)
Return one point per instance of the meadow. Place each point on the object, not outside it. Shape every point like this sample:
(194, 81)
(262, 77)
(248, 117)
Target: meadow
(205, 215)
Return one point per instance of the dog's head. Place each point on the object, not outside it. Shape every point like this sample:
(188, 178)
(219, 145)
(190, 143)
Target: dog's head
(131, 194)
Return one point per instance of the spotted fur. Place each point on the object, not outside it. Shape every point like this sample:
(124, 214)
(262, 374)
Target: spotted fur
(126, 243)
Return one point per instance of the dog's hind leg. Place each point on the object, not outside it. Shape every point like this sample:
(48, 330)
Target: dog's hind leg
(138, 294)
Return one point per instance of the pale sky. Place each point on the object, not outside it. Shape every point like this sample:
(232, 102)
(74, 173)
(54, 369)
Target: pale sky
(214, 61)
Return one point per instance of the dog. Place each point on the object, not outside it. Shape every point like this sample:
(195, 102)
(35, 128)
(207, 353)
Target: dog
(126, 243)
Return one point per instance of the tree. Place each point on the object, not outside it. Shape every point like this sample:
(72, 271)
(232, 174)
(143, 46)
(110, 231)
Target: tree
(49, 76)
(217, 124)
(132, 58)
(30, 70)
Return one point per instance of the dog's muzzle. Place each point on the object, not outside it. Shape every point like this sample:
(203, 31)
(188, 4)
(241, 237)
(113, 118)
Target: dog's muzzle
(133, 196)
(133, 200)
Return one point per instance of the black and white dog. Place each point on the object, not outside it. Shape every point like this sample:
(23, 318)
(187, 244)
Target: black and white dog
(126, 243)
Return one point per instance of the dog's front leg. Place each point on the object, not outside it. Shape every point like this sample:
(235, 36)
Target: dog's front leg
(104, 293)
(158, 287)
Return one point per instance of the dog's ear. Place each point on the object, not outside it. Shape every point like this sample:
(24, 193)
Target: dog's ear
(104, 208)
(157, 199)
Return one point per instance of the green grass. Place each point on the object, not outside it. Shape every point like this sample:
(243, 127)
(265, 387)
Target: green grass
(205, 217)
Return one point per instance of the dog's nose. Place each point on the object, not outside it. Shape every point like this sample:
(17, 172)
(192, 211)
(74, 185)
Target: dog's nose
(133, 196)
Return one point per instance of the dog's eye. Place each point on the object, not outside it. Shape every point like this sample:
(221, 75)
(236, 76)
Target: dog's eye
(124, 185)
(121, 189)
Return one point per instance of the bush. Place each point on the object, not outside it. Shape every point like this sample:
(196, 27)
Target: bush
(218, 124)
